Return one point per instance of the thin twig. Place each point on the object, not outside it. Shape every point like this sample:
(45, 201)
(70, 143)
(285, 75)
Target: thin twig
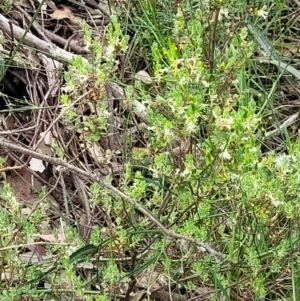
(57, 162)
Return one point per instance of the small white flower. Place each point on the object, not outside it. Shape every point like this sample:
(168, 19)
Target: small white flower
(256, 120)
(262, 12)
(179, 13)
(280, 160)
(230, 121)
(155, 173)
(275, 202)
(213, 97)
(233, 177)
(82, 78)
(191, 127)
(223, 13)
(182, 81)
(225, 123)
(284, 160)
(109, 51)
(163, 70)
(106, 114)
(185, 172)
(225, 155)
(205, 83)
(168, 135)
(151, 128)
(167, 132)
(197, 78)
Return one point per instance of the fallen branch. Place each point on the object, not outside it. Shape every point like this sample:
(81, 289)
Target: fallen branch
(57, 162)
(34, 42)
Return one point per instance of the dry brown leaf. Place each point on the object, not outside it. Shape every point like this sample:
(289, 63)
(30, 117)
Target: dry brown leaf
(51, 237)
(49, 140)
(53, 76)
(76, 20)
(85, 265)
(22, 190)
(96, 152)
(151, 282)
(23, 3)
(32, 258)
(43, 7)
(143, 150)
(64, 13)
(33, 58)
(51, 4)
(144, 77)
(37, 249)
(36, 165)
(5, 276)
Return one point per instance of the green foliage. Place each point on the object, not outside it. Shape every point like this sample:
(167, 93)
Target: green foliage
(6, 6)
(85, 81)
(203, 173)
(222, 182)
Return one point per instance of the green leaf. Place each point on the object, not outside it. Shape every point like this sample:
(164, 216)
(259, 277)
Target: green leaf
(145, 265)
(296, 281)
(40, 277)
(82, 252)
(274, 56)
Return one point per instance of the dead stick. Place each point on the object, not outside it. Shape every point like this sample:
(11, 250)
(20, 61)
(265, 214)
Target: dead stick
(36, 43)
(57, 162)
